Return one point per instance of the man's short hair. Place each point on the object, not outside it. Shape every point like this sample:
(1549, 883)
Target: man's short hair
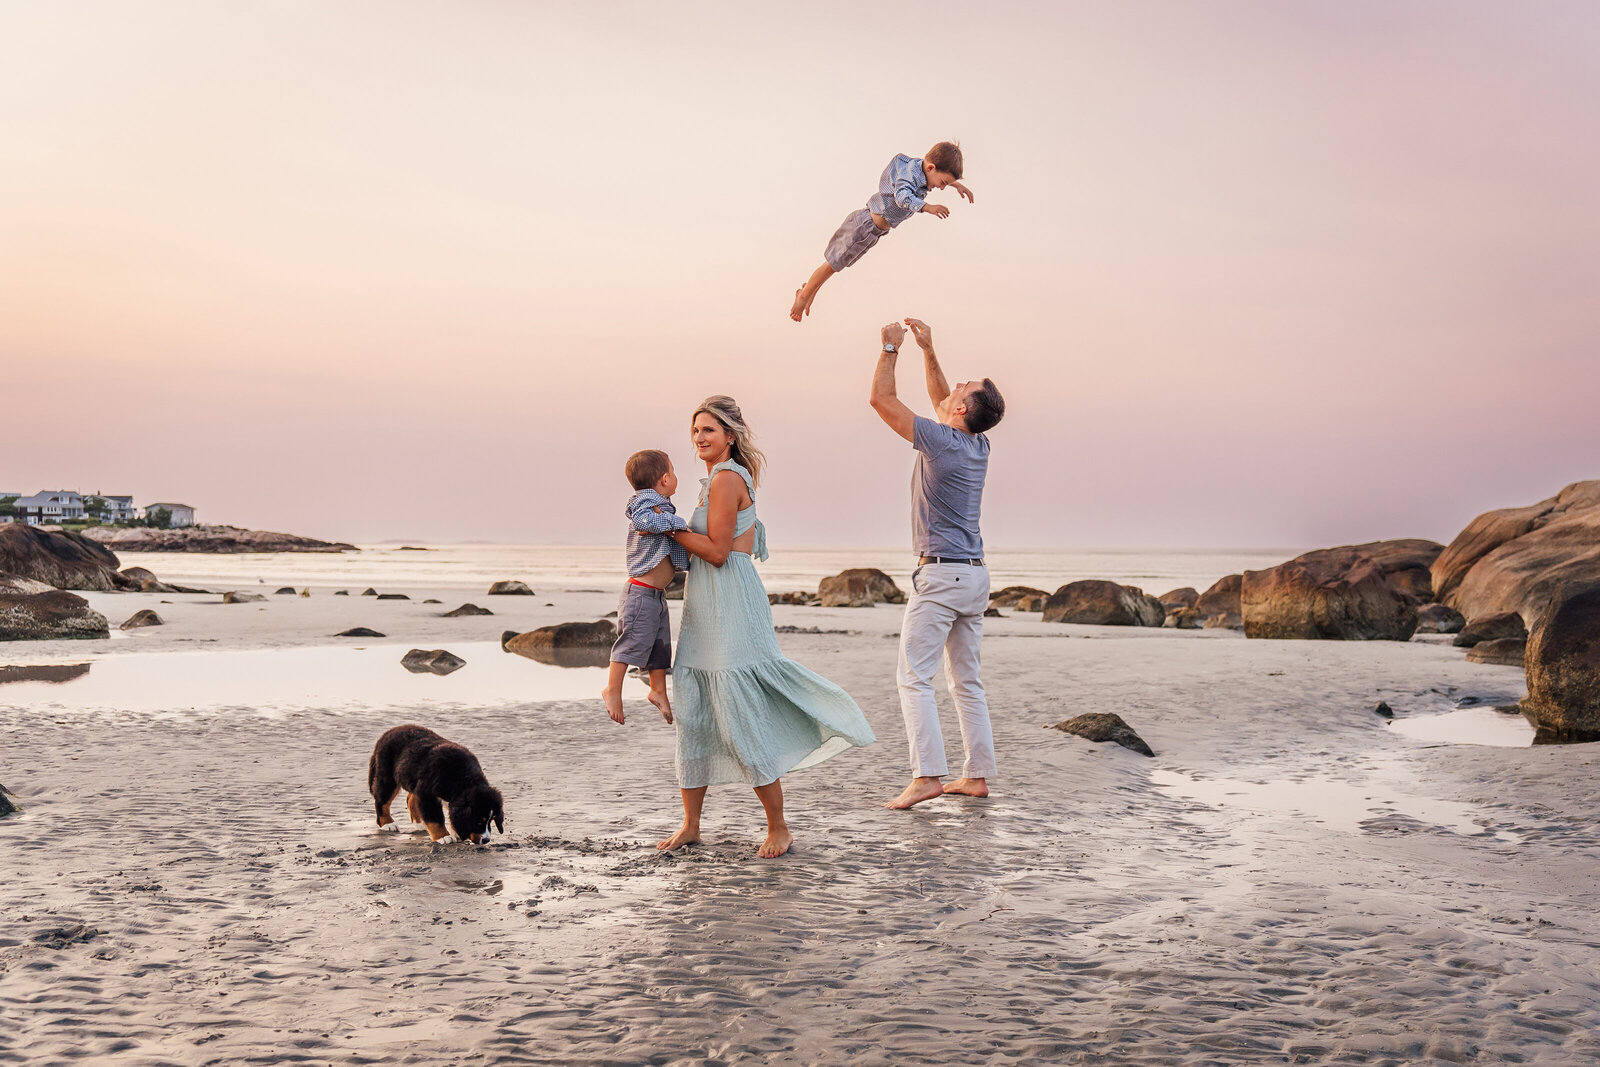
(985, 408)
(646, 468)
(945, 156)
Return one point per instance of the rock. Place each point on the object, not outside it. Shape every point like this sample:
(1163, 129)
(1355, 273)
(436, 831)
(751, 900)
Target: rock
(1518, 559)
(1383, 710)
(140, 619)
(991, 613)
(859, 587)
(59, 559)
(1179, 598)
(287, 590)
(369, 592)
(510, 588)
(1008, 597)
(393, 596)
(1504, 624)
(32, 610)
(359, 631)
(567, 644)
(241, 598)
(209, 538)
(431, 661)
(1222, 599)
(1105, 726)
(1334, 594)
(465, 609)
(1505, 651)
(674, 589)
(1438, 619)
(342, 592)
(800, 599)
(431, 600)
(1032, 603)
(1100, 603)
(1405, 564)
(1185, 619)
(146, 582)
(1563, 661)
(6, 806)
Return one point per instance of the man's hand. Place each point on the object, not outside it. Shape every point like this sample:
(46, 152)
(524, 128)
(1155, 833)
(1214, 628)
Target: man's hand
(963, 190)
(922, 333)
(938, 211)
(893, 334)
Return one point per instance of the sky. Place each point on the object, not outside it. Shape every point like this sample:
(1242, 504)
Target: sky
(1247, 273)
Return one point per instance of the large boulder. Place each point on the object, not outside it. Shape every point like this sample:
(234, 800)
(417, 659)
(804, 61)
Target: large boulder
(1101, 603)
(510, 588)
(567, 644)
(1405, 564)
(859, 587)
(1174, 599)
(59, 559)
(1563, 661)
(1011, 594)
(1219, 605)
(1185, 619)
(1504, 651)
(1438, 619)
(1517, 559)
(1336, 594)
(1499, 626)
(32, 610)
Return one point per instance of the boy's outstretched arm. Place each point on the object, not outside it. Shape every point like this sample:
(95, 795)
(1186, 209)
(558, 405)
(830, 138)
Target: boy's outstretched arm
(964, 191)
(653, 520)
(938, 387)
(885, 401)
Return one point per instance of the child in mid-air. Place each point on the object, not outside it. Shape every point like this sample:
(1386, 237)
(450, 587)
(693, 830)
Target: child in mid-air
(644, 634)
(901, 191)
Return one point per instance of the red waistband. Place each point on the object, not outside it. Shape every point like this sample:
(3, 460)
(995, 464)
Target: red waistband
(647, 585)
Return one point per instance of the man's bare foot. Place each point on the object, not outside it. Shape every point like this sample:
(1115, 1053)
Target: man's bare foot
(802, 303)
(613, 703)
(919, 790)
(663, 705)
(684, 836)
(776, 844)
(968, 787)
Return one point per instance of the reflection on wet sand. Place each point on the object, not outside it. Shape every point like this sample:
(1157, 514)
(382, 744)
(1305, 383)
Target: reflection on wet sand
(46, 672)
(566, 657)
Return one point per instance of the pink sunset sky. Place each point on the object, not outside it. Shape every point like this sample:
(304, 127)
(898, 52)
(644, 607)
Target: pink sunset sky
(1248, 273)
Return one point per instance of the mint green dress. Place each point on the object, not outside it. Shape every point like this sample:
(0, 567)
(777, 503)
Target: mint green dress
(744, 713)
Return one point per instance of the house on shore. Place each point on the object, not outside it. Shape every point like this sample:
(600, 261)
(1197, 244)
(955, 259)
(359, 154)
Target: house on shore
(49, 506)
(182, 514)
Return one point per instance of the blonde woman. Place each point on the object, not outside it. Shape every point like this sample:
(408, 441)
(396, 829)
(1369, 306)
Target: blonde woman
(743, 712)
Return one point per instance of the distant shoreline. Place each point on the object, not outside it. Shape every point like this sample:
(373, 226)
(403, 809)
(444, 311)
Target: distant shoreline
(211, 539)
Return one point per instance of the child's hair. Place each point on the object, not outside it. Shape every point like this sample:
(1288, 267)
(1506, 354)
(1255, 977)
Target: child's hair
(645, 469)
(946, 156)
(985, 408)
(726, 411)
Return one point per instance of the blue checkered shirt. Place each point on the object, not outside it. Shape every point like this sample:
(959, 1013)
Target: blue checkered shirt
(648, 543)
(901, 190)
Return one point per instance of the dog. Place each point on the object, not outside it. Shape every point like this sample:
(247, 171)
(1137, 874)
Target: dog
(433, 772)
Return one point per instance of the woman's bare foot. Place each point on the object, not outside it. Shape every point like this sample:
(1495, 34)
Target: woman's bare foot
(686, 835)
(968, 787)
(776, 844)
(613, 703)
(658, 697)
(919, 790)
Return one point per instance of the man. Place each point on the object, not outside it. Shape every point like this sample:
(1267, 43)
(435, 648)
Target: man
(950, 587)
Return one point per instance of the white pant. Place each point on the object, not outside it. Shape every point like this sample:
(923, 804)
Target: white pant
(945, 613)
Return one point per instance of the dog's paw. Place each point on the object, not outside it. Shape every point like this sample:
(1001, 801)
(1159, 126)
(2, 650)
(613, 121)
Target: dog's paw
(447, 839)
(389, 828)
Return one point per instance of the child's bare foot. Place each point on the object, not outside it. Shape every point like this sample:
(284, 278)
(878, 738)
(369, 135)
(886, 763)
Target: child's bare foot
(613, 699)
(802, 302)
(919, 790)
(968, 787)
(686, 835)
(658, 697)
(776, 844)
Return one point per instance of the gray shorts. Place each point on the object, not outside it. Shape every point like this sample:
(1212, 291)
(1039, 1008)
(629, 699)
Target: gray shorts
(852, 239)
(644, 633)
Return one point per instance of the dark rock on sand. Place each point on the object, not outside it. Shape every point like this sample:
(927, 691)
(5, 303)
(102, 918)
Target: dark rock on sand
(6, 806)
(37, 611)
(1518, 559)
(146, 582)
(1503, 651)
(1011, 594)
(567, 644)
(59, 559)
(241, 598)
(1186, 619)
(1438, 619)
(141, 619)
(510, 588)
(1032, 603)
(393, 596)
(1100, 603)
(359, 631)
(1383, 710)
(431, 600)
(1219, 605)
(1105, 726)
(369, 592)
(674, 589)
(1504, 624)
(342, 592)
(1335, 594)
(431, 661)
(1563, 660)
(991, 613)
(1174, 599)
(465, 609)
(287, 590)
(859, 587)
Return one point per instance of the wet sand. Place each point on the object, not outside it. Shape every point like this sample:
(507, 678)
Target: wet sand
(1290, 880)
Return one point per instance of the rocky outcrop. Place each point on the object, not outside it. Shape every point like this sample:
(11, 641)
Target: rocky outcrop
(1563, 661)
(1335, 594)
(140, 619)
(465, 609)
(241, 598)
(1504, 651)
(1219, 605)
(859, 587)
(1012, 594)
(222, 539)
(431, 661)
(37, 611)
(1517, 559)
(1438, 619)
(510, 588)
(1496, 627)
(1405, 564)
(1104, 726)
(359, 631)
(59, 559)
(1099, 603)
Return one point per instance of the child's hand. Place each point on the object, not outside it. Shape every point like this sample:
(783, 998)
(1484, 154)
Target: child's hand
(964, 191)
(938, 211)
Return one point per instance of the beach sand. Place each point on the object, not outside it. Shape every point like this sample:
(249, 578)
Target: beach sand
(1289, 880)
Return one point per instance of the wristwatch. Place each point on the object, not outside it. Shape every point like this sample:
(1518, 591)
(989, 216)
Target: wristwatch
(888, 346)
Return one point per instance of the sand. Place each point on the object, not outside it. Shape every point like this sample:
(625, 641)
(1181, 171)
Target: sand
(1289, 880)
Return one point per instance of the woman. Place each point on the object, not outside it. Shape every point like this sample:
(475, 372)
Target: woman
(743, 712)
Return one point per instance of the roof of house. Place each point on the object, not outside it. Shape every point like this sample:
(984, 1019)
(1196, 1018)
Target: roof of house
(165, 504)
(47, 496)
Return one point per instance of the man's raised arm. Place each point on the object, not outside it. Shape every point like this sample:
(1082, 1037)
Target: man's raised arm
(885, 401)
(938, 388)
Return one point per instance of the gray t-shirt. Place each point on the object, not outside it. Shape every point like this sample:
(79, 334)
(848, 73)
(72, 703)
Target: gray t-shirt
(947, 490)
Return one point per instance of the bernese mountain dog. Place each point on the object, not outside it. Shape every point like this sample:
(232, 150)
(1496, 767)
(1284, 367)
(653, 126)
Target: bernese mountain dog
(434, 773)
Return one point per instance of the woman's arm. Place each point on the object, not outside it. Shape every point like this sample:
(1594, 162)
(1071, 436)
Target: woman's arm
(722, 511)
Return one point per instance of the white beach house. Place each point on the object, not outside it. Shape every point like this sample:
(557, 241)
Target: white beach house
(49, 506)
(182, 514)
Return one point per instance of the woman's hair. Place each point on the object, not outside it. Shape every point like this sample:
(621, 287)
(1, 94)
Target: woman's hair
(725, 410)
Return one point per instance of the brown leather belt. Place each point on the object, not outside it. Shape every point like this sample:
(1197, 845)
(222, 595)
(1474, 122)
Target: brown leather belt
(925, 560)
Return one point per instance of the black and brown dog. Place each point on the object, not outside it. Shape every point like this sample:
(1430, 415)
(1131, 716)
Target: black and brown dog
(433, 772)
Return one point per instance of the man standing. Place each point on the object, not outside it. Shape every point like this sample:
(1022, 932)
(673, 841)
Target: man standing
(950, 587)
